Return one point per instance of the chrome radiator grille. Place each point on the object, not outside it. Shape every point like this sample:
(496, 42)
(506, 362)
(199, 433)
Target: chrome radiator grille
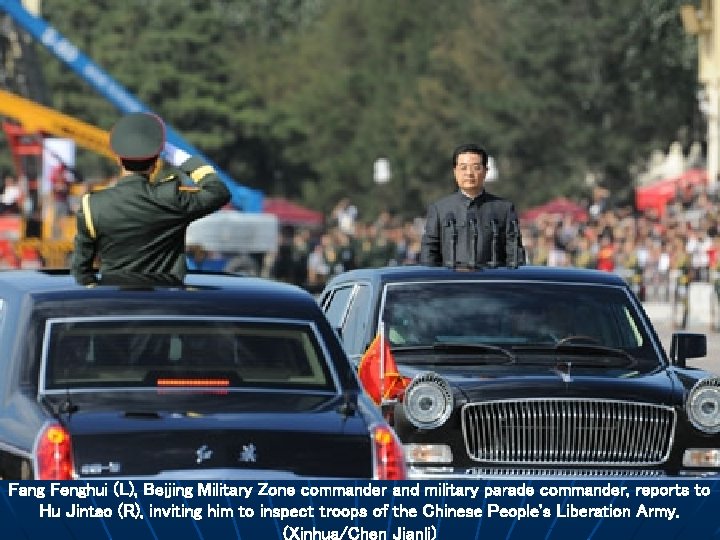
(504, 472)
(568, 432)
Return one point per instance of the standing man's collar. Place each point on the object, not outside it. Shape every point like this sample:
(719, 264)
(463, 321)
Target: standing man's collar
(469, 198)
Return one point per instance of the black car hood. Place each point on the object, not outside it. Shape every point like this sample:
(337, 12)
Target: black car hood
(149, 435)
(513, 381)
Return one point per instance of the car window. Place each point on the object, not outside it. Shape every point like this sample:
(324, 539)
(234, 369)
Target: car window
(151, 353)
(336, 304)
(354, 333)
(513, 314)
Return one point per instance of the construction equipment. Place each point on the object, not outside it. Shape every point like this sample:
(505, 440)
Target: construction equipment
(33, 231)
(36, 229)
(243, 198)
(234, 241)
(36, 118)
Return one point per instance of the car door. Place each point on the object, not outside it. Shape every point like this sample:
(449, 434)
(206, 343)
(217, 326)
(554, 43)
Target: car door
(349, 310)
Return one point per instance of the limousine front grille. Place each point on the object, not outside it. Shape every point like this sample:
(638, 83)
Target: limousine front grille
(568, 432)
(486, 472)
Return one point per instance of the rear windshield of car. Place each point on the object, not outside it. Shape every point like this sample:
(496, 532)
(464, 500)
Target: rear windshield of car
(513, 314)
(181, 353)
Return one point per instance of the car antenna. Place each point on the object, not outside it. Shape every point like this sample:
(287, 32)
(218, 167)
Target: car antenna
(349, 404)
(66, 406)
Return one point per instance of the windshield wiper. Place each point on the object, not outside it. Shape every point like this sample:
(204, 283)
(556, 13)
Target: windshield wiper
(596, 351)
(459, 348)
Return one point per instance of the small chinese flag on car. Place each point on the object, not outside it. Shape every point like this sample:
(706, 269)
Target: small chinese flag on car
(378, 372)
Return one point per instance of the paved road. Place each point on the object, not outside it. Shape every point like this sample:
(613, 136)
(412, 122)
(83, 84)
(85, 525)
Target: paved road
(661, 315)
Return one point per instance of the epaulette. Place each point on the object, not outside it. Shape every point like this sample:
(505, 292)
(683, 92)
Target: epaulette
(193, 189)
(168, 178)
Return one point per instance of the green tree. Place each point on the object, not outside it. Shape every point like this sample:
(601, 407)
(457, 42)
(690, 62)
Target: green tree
(174, 56)
(599, 85)
(339, 91)
(299, 97)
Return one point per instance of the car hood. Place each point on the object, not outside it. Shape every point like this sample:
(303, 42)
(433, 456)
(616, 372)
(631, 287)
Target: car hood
(482, 383)
(184, 435)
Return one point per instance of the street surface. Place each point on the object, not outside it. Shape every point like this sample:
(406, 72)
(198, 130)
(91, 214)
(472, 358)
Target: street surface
(662, 317)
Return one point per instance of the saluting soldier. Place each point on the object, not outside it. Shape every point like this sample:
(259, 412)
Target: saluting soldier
(137, 227)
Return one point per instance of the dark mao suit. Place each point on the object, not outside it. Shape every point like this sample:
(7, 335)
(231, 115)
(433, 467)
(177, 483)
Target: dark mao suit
(138, 227)
(465, 232)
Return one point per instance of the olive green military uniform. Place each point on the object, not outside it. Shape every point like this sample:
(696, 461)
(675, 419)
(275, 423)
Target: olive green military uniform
(137, 228)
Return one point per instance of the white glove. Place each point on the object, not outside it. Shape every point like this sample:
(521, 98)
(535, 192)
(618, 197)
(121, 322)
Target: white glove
(174, 155)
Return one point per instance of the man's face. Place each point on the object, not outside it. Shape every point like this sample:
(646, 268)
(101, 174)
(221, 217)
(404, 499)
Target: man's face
(470, 173)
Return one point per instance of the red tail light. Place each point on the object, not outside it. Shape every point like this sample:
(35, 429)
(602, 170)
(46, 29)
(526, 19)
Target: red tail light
(53, 454)
(389, 454)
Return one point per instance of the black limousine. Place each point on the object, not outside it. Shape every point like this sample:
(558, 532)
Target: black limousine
(530, 371)
(224, 377)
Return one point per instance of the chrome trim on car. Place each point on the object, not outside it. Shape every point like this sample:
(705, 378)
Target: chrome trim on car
(568, 431)
(711, 383)
(15, 450)
(420, 473)
(428, 379)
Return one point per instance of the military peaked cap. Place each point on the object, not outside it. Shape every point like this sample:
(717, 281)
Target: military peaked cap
(138, 136)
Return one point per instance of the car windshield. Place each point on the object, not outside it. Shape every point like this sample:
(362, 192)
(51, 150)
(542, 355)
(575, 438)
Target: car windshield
(180, 353)
(530, 319)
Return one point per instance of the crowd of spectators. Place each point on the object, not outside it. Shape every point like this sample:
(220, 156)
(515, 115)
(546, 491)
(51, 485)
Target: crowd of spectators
(658, 251)
(309, 257)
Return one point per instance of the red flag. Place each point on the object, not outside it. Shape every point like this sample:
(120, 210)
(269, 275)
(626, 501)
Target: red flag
(378, 358)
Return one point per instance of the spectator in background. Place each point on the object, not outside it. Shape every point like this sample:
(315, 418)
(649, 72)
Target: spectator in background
(318, 267)
(377, 249)
(11, 198)
(346, 258)
(606, 253)
(344, 215)
(599, 204)
(697, 246)
(284, 266)
(301, 252)
(60, 179)
(584, 257)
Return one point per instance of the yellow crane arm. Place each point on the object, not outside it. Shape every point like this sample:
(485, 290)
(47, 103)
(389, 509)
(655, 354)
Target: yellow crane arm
(38, 118)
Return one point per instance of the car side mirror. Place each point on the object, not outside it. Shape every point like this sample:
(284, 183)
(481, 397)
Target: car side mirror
(686, 345)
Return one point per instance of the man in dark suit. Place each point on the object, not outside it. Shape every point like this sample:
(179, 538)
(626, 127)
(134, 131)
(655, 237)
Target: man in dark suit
(137, 227)
(471, 228)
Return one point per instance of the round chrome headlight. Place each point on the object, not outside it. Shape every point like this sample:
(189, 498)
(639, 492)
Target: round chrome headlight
(428, 401)
(703, 405)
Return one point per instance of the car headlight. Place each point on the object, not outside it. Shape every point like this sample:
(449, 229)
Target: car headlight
(428, 401)
(703, 405)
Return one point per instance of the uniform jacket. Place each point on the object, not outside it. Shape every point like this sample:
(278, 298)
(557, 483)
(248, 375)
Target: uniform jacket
(138, 227)
(464, 232)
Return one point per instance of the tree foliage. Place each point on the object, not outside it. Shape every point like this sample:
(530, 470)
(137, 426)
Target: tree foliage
(300, 97)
